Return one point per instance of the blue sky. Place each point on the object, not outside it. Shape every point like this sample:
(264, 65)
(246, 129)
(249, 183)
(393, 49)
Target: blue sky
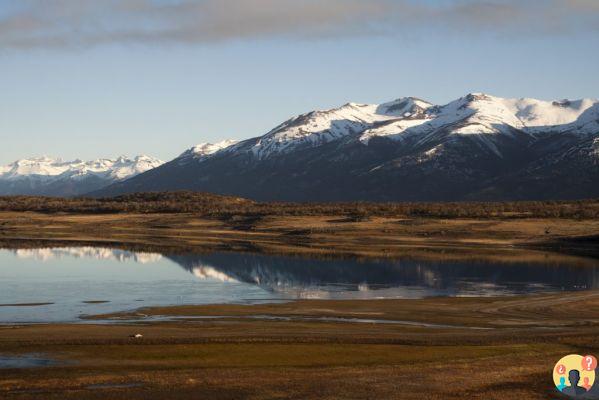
(156, 77)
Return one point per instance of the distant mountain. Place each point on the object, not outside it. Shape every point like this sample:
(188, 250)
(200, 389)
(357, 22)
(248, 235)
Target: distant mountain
(478, 147)
(203, 151)
(54, 177)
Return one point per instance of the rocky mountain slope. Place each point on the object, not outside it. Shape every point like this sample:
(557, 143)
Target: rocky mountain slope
(478, 147)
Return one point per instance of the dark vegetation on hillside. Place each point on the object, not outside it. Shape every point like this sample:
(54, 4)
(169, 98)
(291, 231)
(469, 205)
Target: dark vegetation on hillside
(211, 205)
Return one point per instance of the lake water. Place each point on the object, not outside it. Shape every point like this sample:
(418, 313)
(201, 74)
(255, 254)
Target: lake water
(62, 284)
(25, 361)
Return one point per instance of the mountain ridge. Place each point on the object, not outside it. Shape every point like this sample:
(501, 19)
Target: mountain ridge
(52, 176)
(477, 147)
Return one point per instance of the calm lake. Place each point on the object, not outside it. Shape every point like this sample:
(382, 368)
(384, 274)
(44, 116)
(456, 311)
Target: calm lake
(62, 284)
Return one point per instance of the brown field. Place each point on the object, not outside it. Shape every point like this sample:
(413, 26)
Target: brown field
(227, 207)
(437, 348)
(316, 235)
(240, 358)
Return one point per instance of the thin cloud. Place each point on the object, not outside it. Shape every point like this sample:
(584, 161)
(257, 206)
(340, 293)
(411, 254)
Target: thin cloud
(84, 23)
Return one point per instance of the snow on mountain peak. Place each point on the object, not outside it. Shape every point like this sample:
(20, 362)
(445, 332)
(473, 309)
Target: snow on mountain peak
(43, 166)
(404, 107)
(480, 113)
(320, 127)
(473, 114)
(124, 167)
(49, 169)
(206, 149)
(536, 116)
(203, 151)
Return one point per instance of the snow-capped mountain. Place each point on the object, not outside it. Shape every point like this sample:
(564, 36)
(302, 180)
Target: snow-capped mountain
(50, 176)
(483, 114)
(476, 147)
(321, 127)
(203, 151)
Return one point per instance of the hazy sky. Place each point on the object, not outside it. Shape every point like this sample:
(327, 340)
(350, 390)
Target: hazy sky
(101, 78)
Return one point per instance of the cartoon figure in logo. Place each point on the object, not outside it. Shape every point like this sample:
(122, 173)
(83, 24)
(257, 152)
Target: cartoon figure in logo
(562, 384)
(586, 384)
(593, 392)
(574, 390)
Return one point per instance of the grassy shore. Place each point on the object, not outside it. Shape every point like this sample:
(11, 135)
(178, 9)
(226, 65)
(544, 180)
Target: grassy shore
(437, 348)
(315, 235)
(492, 348)
(207, 222)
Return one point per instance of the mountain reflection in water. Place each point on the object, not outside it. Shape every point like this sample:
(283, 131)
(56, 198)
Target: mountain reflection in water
(288, 274)
(71, 276)
(450, 278)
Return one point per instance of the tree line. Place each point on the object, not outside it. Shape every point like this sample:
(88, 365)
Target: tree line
(212, 205)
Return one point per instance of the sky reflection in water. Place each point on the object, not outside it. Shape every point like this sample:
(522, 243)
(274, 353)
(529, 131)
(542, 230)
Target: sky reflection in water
(70, 277)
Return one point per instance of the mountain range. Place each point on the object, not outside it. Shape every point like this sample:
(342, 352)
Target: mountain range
(54, 177)
(477, 147)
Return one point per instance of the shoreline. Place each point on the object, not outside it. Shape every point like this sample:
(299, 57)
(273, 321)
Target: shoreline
(199, 356)
(326, 236)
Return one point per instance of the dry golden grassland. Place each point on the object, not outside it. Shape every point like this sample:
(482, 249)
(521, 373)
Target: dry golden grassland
(372, 237)
(437, 348)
